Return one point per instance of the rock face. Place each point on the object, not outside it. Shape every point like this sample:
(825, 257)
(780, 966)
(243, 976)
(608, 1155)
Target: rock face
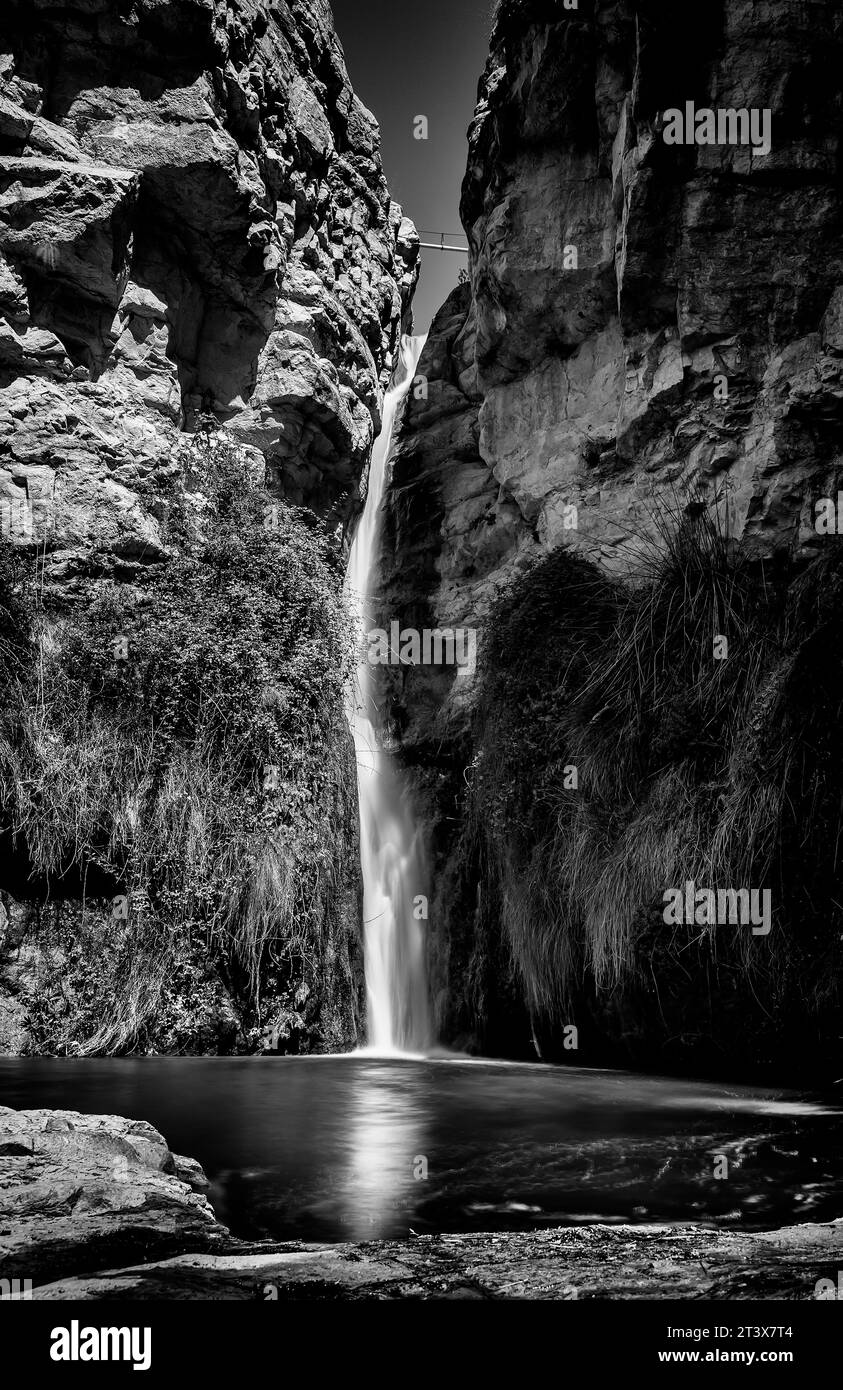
(650, 329)
(697, 267)
(694, 263)
(194, 223)
(78, 1192)
(193, 219)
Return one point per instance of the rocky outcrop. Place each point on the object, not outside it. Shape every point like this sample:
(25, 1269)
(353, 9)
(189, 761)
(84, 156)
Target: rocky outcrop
(193, 220)
(694, 264)
(195, 230)
(651, 332)
(81, 1192)
(699, 270)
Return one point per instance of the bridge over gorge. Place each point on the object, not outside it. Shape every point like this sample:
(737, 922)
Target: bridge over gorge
(441, 245)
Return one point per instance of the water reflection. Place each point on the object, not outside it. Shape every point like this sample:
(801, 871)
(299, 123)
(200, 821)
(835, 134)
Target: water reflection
(386, 1144)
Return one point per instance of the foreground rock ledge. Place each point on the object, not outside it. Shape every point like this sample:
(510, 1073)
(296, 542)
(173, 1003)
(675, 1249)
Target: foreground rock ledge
(587, 1262)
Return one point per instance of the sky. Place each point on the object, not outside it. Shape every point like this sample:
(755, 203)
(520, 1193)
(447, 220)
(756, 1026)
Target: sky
(409, 58)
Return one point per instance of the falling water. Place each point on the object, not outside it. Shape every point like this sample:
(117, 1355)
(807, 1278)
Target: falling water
(390, 846)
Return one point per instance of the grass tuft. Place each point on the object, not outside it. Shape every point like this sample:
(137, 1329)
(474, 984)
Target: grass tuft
(688, 767)
(205, 776)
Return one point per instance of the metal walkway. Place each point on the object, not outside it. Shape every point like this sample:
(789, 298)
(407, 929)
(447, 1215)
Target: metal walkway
(440, 244)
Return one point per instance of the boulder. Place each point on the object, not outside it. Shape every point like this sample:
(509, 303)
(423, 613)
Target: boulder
(81, 1192)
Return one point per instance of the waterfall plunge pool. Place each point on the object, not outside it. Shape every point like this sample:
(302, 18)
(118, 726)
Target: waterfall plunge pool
(362, 1147)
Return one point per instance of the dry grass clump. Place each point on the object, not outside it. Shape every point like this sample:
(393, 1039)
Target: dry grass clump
(147, 774)
(687, 767)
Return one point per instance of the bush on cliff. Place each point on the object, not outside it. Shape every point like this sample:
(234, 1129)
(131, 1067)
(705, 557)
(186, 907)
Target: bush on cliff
(184, 739)
(724, 772)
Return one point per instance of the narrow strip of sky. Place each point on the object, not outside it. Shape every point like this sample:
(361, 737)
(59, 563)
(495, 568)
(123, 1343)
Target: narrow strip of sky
(407, 60)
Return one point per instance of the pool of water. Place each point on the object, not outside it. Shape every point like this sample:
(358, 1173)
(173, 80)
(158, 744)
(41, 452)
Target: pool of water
(363, 1147)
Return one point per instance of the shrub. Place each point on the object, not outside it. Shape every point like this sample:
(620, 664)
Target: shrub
(724, 772)
(184, 737)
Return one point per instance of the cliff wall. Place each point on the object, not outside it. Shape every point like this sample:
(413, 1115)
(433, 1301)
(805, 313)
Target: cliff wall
(203, 281)
(648, 356)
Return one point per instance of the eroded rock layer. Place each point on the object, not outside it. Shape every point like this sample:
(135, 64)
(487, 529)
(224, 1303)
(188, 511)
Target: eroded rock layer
(193, 219)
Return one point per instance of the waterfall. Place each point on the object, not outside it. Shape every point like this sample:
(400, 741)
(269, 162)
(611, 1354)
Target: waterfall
(391, 852)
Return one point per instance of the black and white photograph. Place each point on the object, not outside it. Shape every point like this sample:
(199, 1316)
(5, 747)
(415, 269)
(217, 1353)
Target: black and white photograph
(421, 681)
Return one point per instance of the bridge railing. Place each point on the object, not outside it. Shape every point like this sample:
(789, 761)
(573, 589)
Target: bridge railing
(441, 245)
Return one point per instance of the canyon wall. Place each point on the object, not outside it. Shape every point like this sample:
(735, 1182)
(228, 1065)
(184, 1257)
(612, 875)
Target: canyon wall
(194, 220)
(195, 231)
(651, 339)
